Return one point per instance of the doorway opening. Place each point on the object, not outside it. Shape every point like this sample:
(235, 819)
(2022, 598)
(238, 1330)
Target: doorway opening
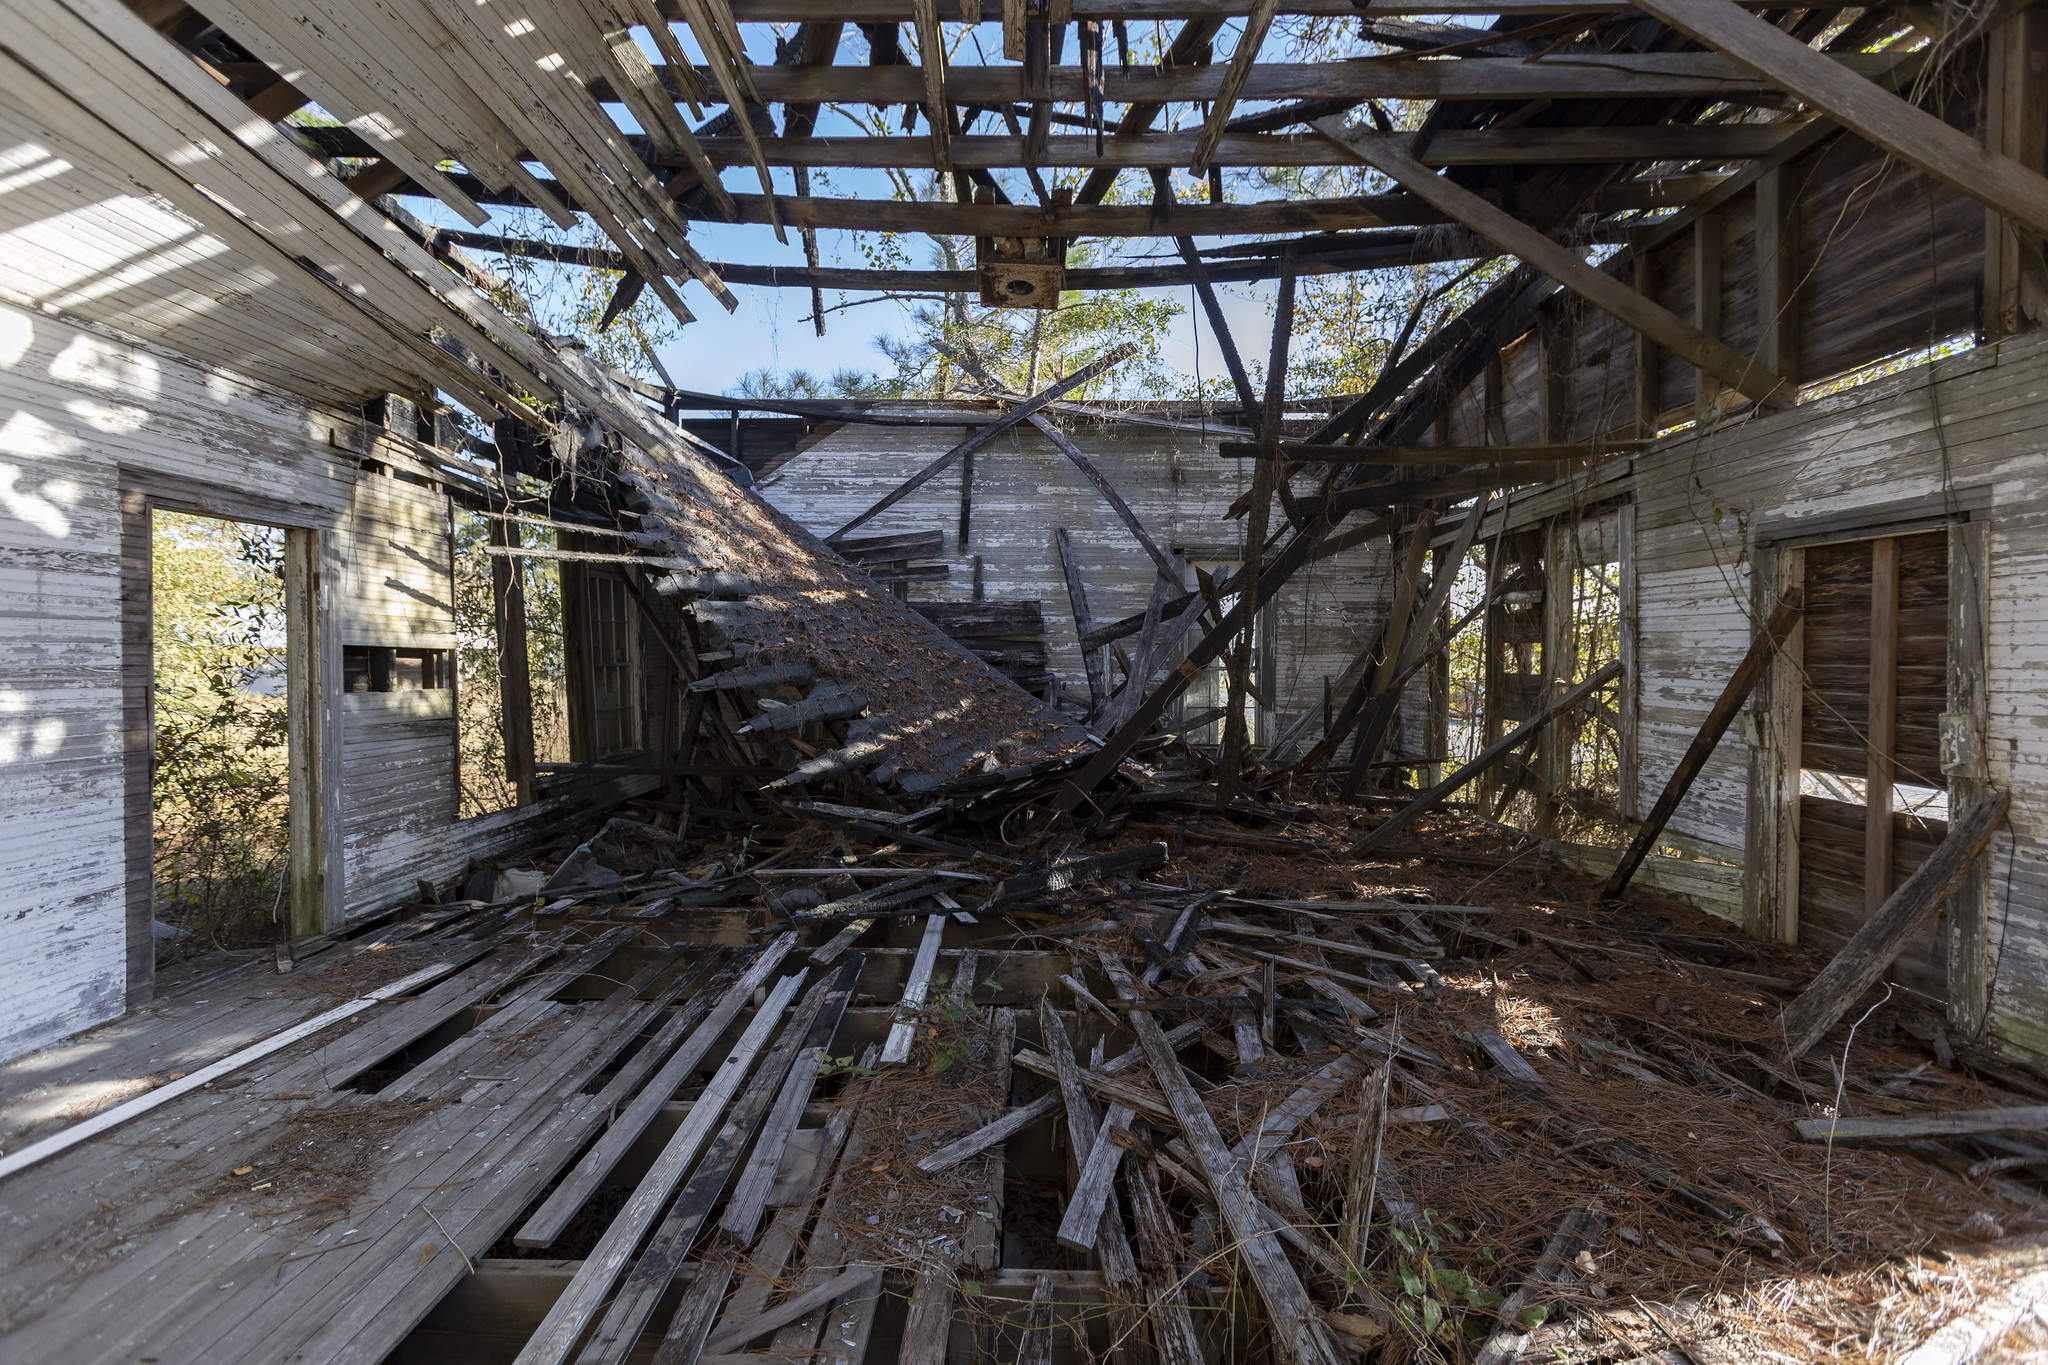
(222, 673)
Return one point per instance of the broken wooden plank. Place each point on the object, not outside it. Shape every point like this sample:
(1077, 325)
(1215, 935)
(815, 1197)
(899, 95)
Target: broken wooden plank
(1580, 1232)
(1506, 1057)
(1881, 938)
(1084, 620)
(1298, 1331)
(655, 1268)
(1905, 1127)
(1045, 1106)
(1740, 684)
(749, 1197)
(1491, 755)
(847, 1282)
(706, 1026)
(1366, 1142)
(591, 1287)
(1066, 876)
(1091, 1193)
(903, 1032)
(1560, 263)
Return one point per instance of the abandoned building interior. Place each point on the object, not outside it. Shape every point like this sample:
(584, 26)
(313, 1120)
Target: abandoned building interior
(1525, 851)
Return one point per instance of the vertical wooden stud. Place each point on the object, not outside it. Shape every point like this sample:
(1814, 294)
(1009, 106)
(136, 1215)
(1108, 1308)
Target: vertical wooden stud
(1559, 663)
(1649, 401)
(1631, 685)
(2016, 125)
(1882, 735)
(1770, 890)
(1971, 955)
(1706, 301)
(966, 503)
(1777, 273)
(515, 682)
(305, 726)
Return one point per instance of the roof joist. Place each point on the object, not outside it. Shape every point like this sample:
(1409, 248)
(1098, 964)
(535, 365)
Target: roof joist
(1573, 75)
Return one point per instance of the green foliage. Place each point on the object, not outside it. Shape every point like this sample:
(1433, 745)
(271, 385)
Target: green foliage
(484, 783)
(842, 1066)
(220, 787)
(1431, 1299)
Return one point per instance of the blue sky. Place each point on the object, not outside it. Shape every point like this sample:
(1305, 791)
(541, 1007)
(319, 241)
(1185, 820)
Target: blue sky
(771, 328)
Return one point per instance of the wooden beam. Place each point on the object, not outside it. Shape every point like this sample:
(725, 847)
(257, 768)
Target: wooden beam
(1569, 269)
(1740, 684)
(1777, 272)
(1236, 742)
(1877, 944)
(1242, 60)
(1882, 733)
(1020, 413)
(1084, 620)
(931, 56)
(1908, 132)
(1706, 302)
(1581, 75)
(1219, 326)
(2016, 125)
(1435, 455)
(1491, 755)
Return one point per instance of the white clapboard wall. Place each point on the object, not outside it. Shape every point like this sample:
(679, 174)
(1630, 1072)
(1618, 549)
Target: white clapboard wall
(1024, 489)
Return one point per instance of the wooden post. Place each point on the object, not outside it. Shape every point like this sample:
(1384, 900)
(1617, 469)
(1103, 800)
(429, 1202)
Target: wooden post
(1706, 302)
(1963, 760)
(966, 502)
(1494, 397)
(1770, 890)
(1649, 398)
(515, 682)
(1777, 273)
(1392, 639)
(306, 736)
(1560, 581)
(1882, 735)
(2016, 126)
(1630, 701)
(1235, 740)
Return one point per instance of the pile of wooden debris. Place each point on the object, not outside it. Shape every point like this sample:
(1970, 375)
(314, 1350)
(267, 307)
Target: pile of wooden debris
(1194, 1081)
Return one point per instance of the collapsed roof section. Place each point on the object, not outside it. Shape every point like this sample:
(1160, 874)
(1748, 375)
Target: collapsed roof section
(786, 611)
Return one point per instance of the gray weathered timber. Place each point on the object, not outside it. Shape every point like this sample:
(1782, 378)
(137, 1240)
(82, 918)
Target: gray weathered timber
(1298, 1330)
(1873, 948)
(587, 1292)
(1489, 756)
(1741, 683)
(707, 1020)
(2031, 1118)
(986, 433)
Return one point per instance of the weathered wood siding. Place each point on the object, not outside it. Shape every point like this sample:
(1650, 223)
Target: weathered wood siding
(1966, 435)
(93, 430)
(1024, 489)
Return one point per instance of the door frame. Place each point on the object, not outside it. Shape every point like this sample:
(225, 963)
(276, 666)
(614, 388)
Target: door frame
(312, 684)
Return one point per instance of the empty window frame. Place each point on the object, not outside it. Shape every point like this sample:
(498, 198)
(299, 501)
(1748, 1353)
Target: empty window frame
(611, 650)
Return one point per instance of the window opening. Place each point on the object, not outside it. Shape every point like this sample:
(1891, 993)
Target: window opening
(614, 681)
